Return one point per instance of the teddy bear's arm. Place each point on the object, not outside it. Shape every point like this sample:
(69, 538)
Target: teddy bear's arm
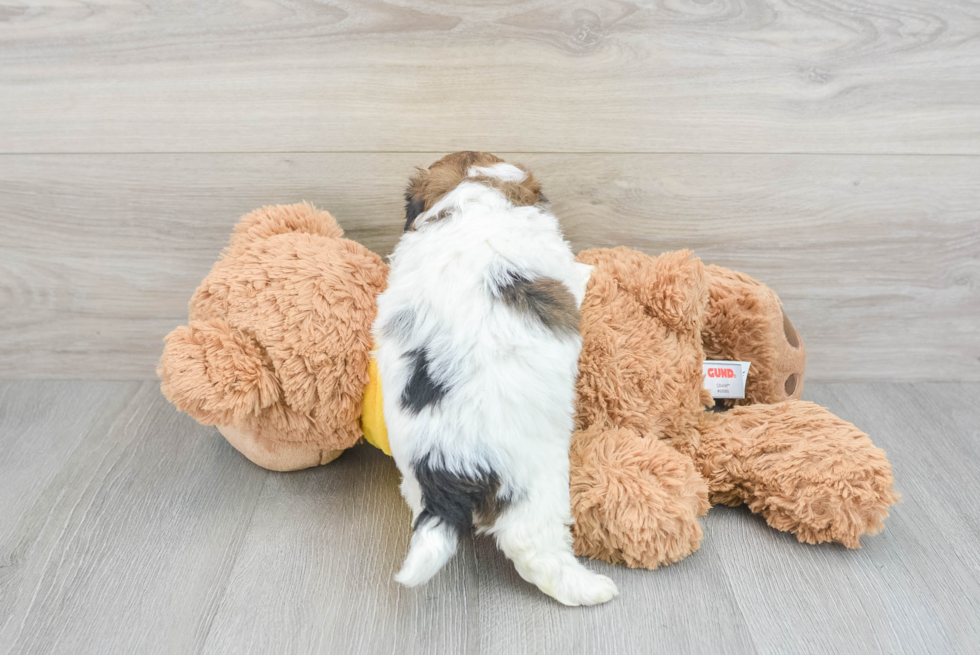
(804, 469)
(745, 321)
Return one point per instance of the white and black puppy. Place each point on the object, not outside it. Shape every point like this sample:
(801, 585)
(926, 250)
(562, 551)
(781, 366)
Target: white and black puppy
(477, 345)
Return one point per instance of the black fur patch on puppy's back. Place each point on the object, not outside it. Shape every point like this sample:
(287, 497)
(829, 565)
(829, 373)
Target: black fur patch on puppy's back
(545, 298)
(421, 390)
(457, 499)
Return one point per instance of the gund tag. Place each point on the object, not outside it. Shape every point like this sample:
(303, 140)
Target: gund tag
(725, 379)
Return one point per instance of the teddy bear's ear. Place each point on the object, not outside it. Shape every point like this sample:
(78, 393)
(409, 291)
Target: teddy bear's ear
(283, 219)
(216, 373)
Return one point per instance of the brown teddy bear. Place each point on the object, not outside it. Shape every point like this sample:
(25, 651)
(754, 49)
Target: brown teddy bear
(276, 354)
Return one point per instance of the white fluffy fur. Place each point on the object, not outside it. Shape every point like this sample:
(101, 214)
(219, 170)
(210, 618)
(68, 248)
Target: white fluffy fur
(511, 381)
(505, 172)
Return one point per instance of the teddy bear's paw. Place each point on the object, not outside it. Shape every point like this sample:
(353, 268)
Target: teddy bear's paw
(635, 500)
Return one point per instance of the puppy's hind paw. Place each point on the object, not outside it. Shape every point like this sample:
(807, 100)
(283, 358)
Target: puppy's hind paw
(582, 587)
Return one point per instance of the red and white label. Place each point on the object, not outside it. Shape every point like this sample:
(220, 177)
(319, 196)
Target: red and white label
(725, 379)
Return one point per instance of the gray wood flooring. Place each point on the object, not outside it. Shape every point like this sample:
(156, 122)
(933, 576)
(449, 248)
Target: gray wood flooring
(125, 527)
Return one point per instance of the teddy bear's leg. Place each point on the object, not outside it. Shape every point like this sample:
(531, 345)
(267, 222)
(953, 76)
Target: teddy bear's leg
(635, 500)
(745, 321)
(805, 470)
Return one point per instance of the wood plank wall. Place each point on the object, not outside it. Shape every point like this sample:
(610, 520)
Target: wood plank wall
(830, 149)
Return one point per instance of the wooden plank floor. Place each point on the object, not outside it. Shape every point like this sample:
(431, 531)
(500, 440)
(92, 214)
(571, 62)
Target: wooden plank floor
(125, 527)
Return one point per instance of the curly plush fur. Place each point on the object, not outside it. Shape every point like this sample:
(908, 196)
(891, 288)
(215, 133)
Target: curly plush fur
(647, 457)
(277, 348)
(745, 321)
(276, 354)
(805, 470)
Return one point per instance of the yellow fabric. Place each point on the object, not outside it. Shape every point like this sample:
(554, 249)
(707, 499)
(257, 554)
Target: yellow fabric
(372, 413)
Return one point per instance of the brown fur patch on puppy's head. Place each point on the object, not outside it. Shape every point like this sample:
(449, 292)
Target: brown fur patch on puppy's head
(525, 193)
(432, 183)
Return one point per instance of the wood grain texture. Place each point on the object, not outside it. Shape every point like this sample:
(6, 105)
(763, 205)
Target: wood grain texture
(571, 76)
(42, 425)
(932, 441)
(877, 259)
(147, 533)
(129, 546)
(885, 595)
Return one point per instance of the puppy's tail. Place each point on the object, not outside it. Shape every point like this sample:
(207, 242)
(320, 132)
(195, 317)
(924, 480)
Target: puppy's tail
(433, 543)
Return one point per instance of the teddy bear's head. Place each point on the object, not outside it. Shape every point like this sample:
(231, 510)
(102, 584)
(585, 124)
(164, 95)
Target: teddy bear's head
(277, 348)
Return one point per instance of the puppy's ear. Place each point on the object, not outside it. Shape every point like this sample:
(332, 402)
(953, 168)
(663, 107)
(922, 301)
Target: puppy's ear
(415, 198)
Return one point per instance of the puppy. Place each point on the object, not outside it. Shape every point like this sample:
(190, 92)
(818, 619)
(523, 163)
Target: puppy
(477, 346)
